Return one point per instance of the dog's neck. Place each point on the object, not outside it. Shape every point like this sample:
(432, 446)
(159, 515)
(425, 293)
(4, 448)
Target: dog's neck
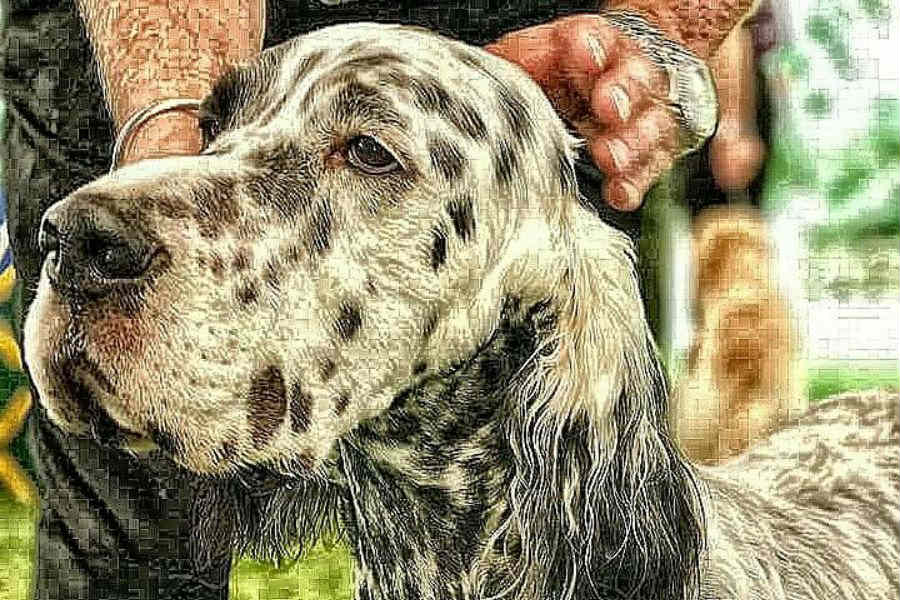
(426, 480)
(465, 489)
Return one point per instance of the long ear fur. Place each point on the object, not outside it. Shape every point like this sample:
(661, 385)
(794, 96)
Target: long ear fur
(601, 504)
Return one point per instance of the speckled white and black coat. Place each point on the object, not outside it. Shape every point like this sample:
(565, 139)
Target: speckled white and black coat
(376, 302)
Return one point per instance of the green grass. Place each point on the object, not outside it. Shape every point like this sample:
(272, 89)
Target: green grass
(323, 574)
(829, 378)
(16, 551)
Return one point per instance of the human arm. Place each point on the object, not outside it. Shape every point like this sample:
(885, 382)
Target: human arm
(604, 84)
(149, 50)
(737, 151)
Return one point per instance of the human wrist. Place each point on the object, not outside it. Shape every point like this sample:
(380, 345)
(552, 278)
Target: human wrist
(699, 25)
(173, 132)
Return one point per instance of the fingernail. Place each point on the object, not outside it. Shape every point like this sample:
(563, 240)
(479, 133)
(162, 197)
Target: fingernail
(620, 99)
(619, 152)
(631, 195)
(597, 52)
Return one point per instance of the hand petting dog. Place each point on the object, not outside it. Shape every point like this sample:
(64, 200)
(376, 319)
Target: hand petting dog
(605, 86)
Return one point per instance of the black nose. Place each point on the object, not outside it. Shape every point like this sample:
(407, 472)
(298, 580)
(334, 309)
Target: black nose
(90, 247)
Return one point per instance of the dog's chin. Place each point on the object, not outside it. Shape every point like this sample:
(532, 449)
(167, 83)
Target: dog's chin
(81, 393)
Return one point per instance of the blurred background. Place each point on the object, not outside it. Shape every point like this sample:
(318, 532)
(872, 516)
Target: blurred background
(828, 121)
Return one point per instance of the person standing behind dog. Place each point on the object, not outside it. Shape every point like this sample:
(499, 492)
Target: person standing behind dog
(112, 526)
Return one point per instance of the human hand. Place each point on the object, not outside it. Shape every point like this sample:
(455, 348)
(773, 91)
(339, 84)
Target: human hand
(603, 84)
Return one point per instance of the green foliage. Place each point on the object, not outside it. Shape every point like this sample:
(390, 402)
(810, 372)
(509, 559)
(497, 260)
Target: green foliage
(876, 9)
(830, 33)
(884, 132)
(818, 104)
(881, 223)
(791, 62)
(864, 157)
(789, 165)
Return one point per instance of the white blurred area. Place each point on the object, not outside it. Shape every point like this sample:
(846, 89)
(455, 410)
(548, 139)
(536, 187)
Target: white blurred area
(852, 327)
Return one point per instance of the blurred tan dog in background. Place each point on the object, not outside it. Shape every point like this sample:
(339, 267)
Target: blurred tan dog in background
(743, 379)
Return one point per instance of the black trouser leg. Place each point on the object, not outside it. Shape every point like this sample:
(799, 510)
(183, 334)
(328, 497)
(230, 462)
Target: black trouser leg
(111, 526)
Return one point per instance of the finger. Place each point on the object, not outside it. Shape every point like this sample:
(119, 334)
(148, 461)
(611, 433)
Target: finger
(654, 129)
(618, 151)
(612, 156)
(627, 193)
(586, 46)
(626, 90)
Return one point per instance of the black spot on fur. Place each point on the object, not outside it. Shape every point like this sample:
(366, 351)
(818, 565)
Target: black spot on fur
(248, 293)
(320, 230)
(430, 325)
(568, 182)
(293, 254)
(467, 119)
(419, 368)
(301, 409)
(242, 258)
(370, 286)
(515, 113)
(429, 94)
(356, 100)
(216, 265)
(289, 181)
(165, 440)
(225, 452)
(170, 208)
(363, 592)
(215, 206)
(447, 159)
(327, 369)
(267, 404)
(272, 274)
(401, 399)
(380, 59)
(341, 403)
(438, 248)
(505, 163)
(348, 322)
(460, 210)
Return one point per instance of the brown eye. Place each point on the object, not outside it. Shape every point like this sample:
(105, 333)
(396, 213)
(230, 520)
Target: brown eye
(369, 156)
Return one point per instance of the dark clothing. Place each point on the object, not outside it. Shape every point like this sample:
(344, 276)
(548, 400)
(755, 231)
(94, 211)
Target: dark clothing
(112, 526)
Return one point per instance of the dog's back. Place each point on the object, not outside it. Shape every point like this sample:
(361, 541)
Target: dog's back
(815, 511)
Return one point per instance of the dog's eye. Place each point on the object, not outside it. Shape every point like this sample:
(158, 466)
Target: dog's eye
(210, 128)
(366, 154)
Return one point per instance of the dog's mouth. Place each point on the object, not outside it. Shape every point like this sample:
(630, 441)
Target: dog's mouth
(89, 390)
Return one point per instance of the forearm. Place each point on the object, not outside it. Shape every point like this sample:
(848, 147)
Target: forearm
(149, 50)
(701, 25)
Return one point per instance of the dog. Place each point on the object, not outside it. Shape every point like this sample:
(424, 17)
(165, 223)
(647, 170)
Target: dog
(378, 285)
(743, 380)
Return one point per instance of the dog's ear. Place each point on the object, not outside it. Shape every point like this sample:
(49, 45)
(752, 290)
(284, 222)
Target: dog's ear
(601, 503)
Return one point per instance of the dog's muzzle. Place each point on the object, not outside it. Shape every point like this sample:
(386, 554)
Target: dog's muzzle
(89, 248)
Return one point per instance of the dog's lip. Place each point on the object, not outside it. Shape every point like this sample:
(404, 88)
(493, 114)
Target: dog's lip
(100, 394)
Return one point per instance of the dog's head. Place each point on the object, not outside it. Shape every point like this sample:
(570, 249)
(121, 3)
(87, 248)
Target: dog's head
(367, 197)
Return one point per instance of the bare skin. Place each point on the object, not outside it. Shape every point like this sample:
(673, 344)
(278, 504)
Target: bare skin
(155, 49)
(598, 78)
(737, 151)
